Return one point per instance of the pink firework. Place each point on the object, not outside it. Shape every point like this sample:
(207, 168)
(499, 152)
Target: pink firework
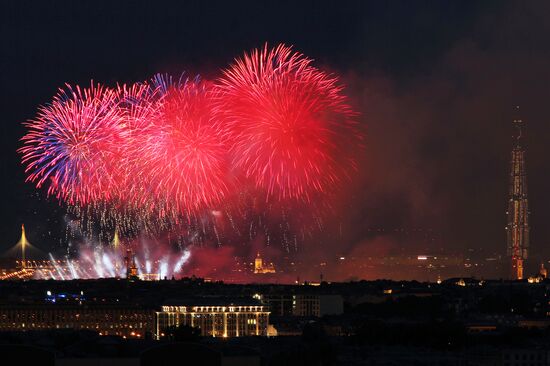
(74, 143)
(140, 104)
(180, 155)
(290, 124)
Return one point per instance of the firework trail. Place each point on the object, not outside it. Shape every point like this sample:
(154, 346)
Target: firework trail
(288, 121)
(100, 262)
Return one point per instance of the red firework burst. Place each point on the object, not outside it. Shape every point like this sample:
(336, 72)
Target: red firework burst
(73, 143)
(289, 122)
(180, 156)
(140, 103)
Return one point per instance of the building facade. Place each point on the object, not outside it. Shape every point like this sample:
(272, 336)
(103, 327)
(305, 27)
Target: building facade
(303, 304)
(118, 320)
(215, 320)
(261, 268)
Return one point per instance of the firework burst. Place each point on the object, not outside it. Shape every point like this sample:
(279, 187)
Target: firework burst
(273, 136)
(72, 144)
(140, 104)
(182, 157)
(289, 122)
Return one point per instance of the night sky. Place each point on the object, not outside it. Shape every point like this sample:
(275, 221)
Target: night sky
(434, 81)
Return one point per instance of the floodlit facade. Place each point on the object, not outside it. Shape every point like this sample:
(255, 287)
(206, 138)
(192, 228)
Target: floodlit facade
(261, 268)
(215, 321)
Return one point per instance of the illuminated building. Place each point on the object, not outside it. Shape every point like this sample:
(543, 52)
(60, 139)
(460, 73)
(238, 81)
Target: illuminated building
(131, 268)
(126, 321)
(229, 320)
(517, 228)
(258, 263)
(260, 268)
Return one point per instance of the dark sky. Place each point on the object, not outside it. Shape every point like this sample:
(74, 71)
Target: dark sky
(435, 82)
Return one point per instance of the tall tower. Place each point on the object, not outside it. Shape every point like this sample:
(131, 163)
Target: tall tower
(24, 243)
(258, 264)
(116, 245)
(517, 229)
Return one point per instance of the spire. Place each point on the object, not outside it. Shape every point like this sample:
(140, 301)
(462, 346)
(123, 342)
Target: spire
(517, 228)
(23, 236)
(518, 126)
(116, 240)
(24, 243)
(116, 244)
